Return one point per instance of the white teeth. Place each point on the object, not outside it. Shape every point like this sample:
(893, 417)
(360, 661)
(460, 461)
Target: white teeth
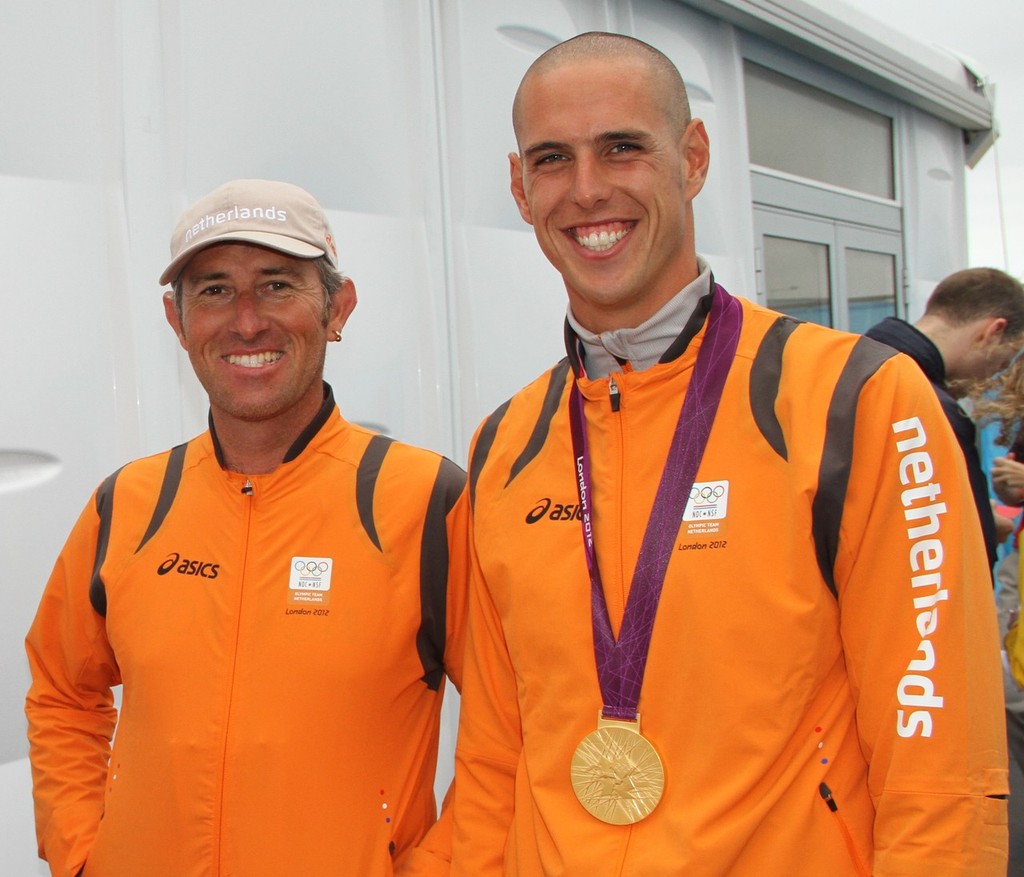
(598, 241)
(254, 360)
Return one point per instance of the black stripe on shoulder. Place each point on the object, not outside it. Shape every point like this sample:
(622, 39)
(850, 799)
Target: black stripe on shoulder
(315, 425)
(765, 375)
(548, 409)
(105, 510)
(483, 446)
(865, 359)
(168, 490)
(690, 330)
(366, 483)
(434, 561)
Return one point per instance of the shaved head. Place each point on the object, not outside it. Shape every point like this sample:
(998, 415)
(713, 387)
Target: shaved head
(599, 46)
(607, 165)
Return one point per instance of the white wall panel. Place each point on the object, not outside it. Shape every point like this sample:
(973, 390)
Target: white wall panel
(58, 396)
(934, 201)
(48, 79)
(60, 403)
(390, 370)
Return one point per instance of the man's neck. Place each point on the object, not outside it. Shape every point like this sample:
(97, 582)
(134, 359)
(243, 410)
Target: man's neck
(643, 345)
(258, 447)
(949, 340)
(252, 449)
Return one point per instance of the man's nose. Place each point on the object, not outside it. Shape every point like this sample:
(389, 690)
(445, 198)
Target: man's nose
(249, 314)
(590, 183)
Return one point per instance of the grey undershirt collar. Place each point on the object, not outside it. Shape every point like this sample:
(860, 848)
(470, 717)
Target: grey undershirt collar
(644, 345)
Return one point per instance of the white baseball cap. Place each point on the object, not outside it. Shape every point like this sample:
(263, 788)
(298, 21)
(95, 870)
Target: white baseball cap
(272, 214)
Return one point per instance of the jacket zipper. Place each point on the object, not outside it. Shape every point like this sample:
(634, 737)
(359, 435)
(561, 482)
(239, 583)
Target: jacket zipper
(826, 795)
(247, 491)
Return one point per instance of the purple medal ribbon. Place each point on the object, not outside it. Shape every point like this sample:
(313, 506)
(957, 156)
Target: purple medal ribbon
(621, 663)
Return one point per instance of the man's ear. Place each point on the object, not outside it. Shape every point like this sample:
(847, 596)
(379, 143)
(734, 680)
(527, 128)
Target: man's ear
(171, 314)
(518, 187)
(695, 152)
(343, 302)
(995, 328)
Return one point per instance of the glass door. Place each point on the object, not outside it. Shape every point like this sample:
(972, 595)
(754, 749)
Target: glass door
(827, 272)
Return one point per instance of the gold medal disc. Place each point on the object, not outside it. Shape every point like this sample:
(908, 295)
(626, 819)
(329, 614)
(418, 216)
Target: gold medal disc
(617, 774)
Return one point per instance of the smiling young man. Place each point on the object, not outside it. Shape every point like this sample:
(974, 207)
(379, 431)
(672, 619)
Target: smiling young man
(281, 598)
(763, 643)
(610, 204)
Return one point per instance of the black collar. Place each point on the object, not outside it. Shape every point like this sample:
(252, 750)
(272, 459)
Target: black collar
(304, 437)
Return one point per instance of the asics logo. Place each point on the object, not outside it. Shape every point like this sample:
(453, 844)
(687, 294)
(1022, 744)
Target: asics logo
(554, 511)
(185, 567)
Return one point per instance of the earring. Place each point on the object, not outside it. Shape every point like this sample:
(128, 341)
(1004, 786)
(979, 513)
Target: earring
(337, 335)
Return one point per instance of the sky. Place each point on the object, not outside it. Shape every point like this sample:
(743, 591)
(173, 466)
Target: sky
(989, 36)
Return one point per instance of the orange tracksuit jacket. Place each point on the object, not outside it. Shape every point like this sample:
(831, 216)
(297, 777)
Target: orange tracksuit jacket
(823, 683)
(282, 650)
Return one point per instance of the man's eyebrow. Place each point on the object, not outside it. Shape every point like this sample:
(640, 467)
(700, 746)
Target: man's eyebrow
(206, 278)
(270, 270)
(546, 146)
(617, 136)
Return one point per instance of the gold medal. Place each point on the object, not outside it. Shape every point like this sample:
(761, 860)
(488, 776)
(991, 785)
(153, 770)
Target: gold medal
(616, 773)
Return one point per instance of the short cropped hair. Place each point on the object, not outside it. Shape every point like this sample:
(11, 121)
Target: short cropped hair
(976, 293)
(613, 46)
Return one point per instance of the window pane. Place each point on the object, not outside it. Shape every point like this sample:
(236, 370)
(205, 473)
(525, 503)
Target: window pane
(870, 287)
(796, 279)
(810, 133)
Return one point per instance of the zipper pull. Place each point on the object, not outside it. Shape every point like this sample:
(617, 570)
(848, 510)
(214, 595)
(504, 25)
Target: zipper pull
(826, 794)
(613, 393)
(247, 487)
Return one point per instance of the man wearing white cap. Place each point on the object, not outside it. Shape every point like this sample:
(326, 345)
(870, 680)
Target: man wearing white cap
(281, 598)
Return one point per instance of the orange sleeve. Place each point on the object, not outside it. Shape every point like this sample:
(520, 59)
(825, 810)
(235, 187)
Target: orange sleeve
(432, 857)
(70, 711)
(920, 637)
